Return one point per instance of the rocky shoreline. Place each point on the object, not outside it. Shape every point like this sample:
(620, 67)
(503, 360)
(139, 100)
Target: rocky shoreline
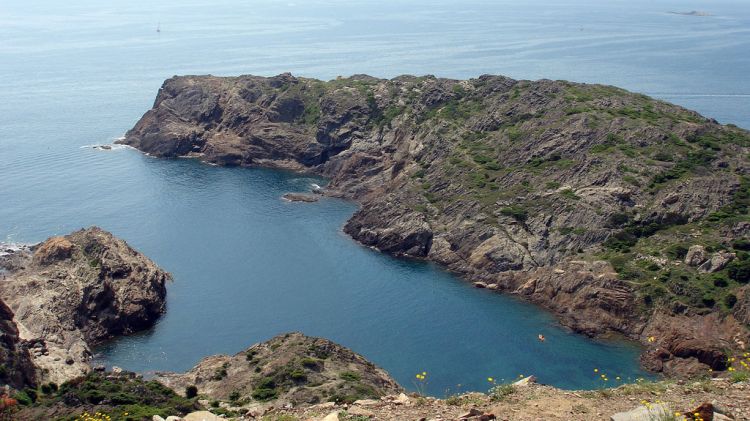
(547, 190)
(67, 294)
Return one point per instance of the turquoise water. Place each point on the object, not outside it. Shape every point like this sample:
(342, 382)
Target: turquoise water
(247, 265)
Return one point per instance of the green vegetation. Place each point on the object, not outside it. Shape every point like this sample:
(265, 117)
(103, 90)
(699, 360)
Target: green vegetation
(265, 390)
(113, 395)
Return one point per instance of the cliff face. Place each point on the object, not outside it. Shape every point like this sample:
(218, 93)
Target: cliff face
(290, 368)
(16, 368)
(70, 293)
(508, 183)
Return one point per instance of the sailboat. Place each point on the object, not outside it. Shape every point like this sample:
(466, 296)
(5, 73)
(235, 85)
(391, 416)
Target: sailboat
(158, 27)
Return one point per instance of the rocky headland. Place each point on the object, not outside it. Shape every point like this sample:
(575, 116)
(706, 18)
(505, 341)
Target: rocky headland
(617, 212)
(63, 296)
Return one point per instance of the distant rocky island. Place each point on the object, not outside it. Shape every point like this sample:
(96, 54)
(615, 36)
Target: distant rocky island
(692, 13)
(617, 212)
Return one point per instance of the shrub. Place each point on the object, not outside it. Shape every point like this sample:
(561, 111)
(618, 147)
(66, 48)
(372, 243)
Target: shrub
(349, 376)
(191, 392)
(730, 300)
(739, 270)
(676, 251)
(501, 391)
(515, 211)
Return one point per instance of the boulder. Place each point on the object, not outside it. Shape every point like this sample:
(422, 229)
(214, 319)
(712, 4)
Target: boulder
(717, 262)
(202, 416)
(696, 255)
(643, 413)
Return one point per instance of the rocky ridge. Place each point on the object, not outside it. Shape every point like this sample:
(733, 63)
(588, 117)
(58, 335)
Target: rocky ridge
(290, 369)
(70, 293)
(581, 198)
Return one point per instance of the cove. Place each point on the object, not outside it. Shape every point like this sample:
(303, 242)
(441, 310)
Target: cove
(248, 266)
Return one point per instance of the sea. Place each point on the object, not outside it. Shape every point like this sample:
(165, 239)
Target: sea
(248, 265)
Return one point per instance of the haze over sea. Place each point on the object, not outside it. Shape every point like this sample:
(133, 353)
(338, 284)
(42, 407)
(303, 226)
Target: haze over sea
(248, 266)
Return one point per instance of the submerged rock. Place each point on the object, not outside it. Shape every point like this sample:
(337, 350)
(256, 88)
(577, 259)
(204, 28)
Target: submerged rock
(300, 197)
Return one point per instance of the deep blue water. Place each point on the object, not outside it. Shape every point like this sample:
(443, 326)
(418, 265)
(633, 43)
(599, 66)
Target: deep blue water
(247, 265)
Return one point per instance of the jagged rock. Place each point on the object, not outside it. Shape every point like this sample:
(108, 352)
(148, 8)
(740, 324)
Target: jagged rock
(642, 413)
(525, 381)
(717, 262)
(70, 293)
(696, 255)
(157, 418)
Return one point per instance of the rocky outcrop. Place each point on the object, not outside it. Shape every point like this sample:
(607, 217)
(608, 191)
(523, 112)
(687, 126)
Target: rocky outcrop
(291, 368)
(16, 368)
(504, 182)
(70, 293)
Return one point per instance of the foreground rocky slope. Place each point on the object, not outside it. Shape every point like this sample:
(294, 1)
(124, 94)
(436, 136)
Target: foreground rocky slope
(617, 212)
(70, 293)
(293, 377)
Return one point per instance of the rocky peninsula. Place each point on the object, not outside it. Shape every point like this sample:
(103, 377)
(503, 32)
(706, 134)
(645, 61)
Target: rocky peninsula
(617, 212)
(63, 296)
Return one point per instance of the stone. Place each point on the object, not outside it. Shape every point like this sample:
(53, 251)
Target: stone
(472, 413)
(157, 418)
(116, 370)
(696, 255)
(333, 416)
(357, 411)
(717, 262)
(526, 381)
(202, 416)
(480, 285)
(401, 399)
(367, 402)
(173, 418)
(643, 413)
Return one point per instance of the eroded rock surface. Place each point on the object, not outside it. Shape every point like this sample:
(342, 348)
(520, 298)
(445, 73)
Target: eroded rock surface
(70, 293)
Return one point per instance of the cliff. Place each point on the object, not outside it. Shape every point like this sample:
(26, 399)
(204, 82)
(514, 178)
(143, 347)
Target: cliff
(69, 293)
(617, 212)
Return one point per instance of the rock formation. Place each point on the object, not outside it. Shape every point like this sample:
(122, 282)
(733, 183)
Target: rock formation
(16, 368)
(505, 182)
(291, 368)
(70, 293)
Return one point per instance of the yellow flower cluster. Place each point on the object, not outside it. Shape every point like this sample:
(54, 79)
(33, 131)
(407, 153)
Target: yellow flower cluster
(739, 363)
(97, 416)
(421, 376)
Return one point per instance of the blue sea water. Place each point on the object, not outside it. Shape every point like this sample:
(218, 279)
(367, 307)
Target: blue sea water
(247, 265)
